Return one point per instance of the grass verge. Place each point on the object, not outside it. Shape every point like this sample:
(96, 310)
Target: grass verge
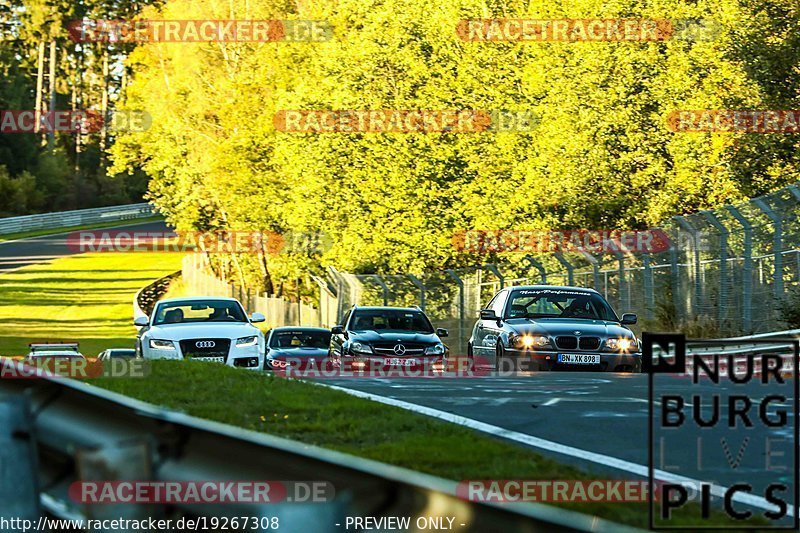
(99, 225)
(86, 297)
(335, 420)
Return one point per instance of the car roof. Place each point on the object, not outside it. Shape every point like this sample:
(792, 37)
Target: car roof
(55, 353)
(552, 288)
(198, 299)
(384, 307)
(300, 328)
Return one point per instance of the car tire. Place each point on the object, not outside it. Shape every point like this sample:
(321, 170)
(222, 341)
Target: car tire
(499, 354)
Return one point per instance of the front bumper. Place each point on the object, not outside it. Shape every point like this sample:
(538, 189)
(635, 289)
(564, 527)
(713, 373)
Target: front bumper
(247, 357)
(381, 362)
(548, 360)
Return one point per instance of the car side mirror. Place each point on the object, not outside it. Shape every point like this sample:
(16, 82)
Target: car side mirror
(441, 332)
(628, 319)
(257, 317)
(488, 314)
(337, 330)
(141, 321)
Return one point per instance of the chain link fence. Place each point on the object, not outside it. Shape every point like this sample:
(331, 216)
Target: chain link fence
(724, 272)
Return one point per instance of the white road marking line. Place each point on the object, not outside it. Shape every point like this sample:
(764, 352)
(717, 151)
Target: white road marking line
(551, 446)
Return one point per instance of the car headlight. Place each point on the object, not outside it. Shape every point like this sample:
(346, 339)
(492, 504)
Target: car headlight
(247, 341)
(436, 349)
(622, 345)
(159, 344)
(530, 341)
(358, 347)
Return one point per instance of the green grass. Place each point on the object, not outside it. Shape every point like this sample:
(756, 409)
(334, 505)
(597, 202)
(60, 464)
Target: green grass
(88, 298)
(335, 420)
(99, 225)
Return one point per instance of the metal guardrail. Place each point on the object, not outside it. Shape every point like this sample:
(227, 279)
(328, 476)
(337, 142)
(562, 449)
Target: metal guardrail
(75, 424)
(66, 219)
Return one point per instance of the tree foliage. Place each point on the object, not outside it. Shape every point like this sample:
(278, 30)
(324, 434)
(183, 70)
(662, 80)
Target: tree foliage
(601, 155)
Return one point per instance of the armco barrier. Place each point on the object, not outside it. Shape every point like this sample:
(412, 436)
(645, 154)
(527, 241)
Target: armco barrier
(83, 433)
(66, 219)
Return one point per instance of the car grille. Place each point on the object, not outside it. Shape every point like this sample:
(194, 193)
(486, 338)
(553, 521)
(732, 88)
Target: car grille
(413, 349)
(589, 343)
(568, 342)
(220, 348)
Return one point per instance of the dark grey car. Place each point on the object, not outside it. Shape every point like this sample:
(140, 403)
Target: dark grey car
(543, 327)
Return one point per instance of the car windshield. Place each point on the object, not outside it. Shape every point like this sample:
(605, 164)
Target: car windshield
(300, 339)
(192, 311)
(390, 320)
(558, 303)
(121, 353)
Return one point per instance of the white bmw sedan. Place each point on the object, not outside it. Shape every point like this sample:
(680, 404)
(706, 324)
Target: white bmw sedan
(202, 329)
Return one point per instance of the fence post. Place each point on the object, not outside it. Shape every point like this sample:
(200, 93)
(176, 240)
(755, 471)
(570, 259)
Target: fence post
(491, 267)
(461, 307)
(595, 269)
(568, 266)
(747, 269)
(723, 263)
(538, 266)
(696, 249)
(649, 301)
(421, 288)
(384, 287)
(624, 293)
(777, 246)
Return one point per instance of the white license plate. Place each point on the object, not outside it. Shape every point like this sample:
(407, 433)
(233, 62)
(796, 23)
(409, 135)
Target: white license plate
(579, 359)
(396, 361)
(209, 359)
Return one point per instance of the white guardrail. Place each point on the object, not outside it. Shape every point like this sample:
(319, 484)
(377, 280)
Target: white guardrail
(80, 217)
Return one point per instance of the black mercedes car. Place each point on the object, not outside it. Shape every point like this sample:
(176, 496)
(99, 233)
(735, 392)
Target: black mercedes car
(544, 327)
(394, 337)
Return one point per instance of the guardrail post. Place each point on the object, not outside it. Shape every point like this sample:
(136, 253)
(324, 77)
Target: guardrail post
(538, 266)
(568, 266)
(121, 461)
(19, 471)
(747, 270)
(723, 263)
(777, 245)
(421, 287)
(696, 251)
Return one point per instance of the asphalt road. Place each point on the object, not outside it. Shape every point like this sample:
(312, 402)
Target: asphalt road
(23, 252)
(607, 416)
